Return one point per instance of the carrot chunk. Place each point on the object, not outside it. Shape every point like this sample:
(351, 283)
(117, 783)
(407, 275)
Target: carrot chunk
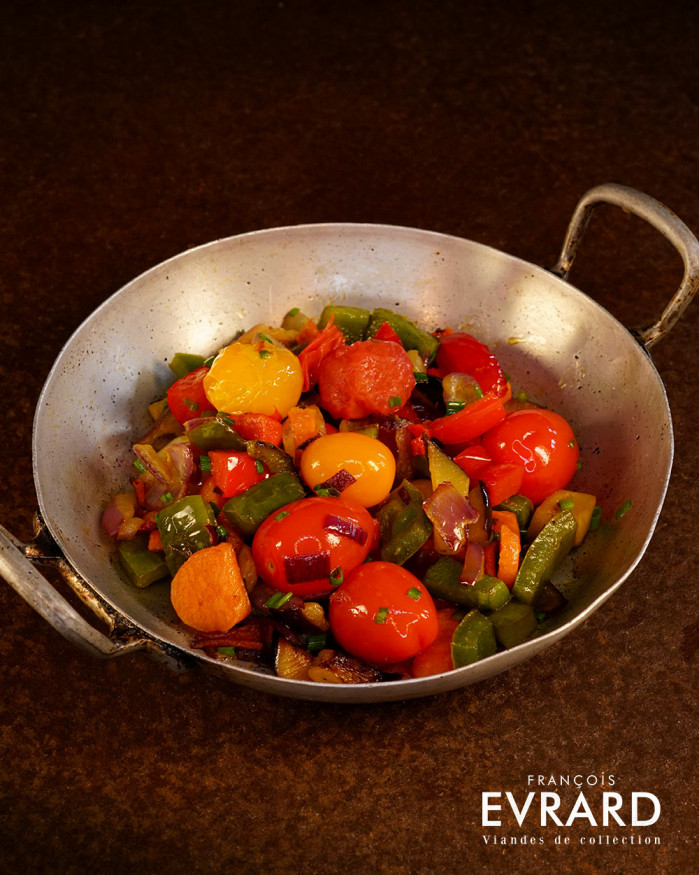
(208, 592)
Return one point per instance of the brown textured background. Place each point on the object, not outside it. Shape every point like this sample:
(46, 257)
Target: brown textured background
(130, 131)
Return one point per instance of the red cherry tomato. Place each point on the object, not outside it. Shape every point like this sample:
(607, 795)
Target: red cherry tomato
(186, 397)
(382, 614)
(308, 546)
(542, 442)
(461, 353)
(369, 376)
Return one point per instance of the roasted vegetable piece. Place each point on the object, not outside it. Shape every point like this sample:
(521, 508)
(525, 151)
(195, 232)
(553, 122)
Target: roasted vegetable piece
(443, 469)
(352, 321)
(247, 510)
(471, 422)
(580, 504)
(208, 592)
(183, 363)
(488, 592)
(185, 526)
(473, 639)
(513, 623)
(443, 581)
(521, 507)
(187, 398)
(335, 667)
(544, 555)
(143, 566)
(292, 662)
(214, 433)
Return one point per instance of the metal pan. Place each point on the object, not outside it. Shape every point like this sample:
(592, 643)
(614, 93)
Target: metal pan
(569, 353)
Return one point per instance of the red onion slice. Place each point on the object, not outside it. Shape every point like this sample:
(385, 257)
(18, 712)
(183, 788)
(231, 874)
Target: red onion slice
(473, 564)
(344, 527)
(307, 567)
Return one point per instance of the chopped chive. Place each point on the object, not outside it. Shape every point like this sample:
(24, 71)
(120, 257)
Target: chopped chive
(326, 491)
(167, 498)
(624, 509)
(395, 401)
(455, 406)
(318, 641)
(226, 651)
(265, 353)
(571, 443)
(222, 532)
(281, 515)
(226, 420)
(566, 504)
(259, 466)
(414, 593)
(193, 405)
(596, 518)
(381, 616)
(209, 361)
(478, 391)
(336, 576)
(205, 462)
(266, 338)
(421, 377)
(277, 600)
(139, 466)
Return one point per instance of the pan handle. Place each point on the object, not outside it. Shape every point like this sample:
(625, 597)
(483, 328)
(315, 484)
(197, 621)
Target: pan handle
(36, 590)
(664, 221)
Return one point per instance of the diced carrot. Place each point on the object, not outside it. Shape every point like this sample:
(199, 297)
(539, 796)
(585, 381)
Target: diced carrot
(301, 425)
(313, 354)
(506, 526)
(208, 592)
(489, 558)
(210, 493)
(155, 542)
(436, 658)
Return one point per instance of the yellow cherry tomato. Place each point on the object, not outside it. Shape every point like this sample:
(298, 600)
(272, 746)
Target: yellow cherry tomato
(364, 458)
(254, 378)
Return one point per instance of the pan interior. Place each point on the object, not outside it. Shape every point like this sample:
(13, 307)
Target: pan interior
(556, 343)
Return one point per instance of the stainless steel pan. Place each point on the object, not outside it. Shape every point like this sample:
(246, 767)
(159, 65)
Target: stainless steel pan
(570, 353)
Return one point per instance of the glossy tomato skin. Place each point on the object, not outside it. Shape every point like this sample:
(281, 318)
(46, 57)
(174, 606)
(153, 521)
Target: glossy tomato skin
(383, 614)
(542, 442)
(186, 397)
(364, 458)
(369, 376)
(309, 545)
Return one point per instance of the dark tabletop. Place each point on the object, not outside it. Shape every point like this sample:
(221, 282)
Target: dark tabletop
(134, 130)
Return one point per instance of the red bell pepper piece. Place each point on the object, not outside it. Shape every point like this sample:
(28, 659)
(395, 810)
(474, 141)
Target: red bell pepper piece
(461, 353)
(502, 480)
(258, 427)
(473, 460)
(186, 397)
(385, 332)
(233, 472)
(312, 355)
(469, 423)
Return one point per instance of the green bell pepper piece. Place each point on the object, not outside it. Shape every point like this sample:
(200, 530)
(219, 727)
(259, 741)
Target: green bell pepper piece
(513, 623)
(214, 434)
(410, 335)
(142, 566)
(183, 363)
(521, 507)
(473, 639)
(404, 527)
(544, 555)
(185, 527)
(488, 592)
(248, 510)
(352, 321)
(442, 581)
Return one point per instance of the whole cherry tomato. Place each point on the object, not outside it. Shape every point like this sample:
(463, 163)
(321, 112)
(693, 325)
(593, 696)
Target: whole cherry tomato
(542, 442)
(460, 352)
(360, 466)
(308, 546)
(369, 376)
(382, 614)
